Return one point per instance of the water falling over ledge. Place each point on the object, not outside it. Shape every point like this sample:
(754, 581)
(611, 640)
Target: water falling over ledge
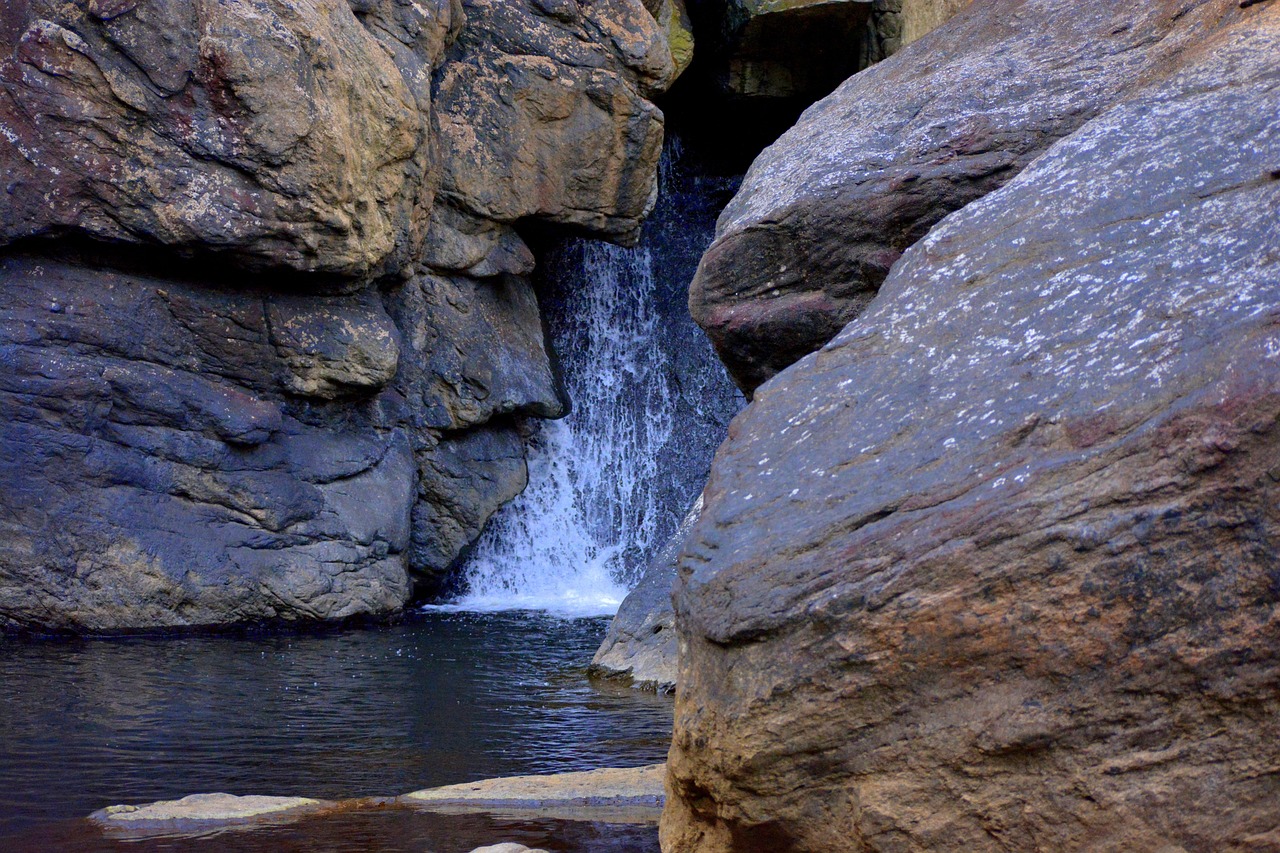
(571, 540)
(650, 403)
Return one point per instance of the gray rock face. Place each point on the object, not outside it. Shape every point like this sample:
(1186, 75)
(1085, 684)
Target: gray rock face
(996, 568)
(826, 211)
(641, 644)
(253, 370)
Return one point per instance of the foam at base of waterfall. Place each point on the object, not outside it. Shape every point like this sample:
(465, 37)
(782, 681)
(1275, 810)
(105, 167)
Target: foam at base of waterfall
(566, 604)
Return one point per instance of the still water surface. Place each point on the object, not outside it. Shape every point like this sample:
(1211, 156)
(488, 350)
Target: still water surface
(441, 698)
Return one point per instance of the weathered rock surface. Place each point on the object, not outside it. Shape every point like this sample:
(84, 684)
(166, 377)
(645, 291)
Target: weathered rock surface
(824, 213)
(546, 115)
(921, 17)
(203, 812)
(268, 336)
(641, 643)
(637, 787)
(282, 133)
(996, 568)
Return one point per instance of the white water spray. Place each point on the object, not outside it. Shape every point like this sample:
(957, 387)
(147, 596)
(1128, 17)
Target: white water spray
(577, 538)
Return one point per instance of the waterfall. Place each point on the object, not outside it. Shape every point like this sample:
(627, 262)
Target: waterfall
(650, 402)
(570, 541)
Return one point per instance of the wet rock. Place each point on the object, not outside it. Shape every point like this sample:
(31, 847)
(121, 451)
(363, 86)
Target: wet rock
(623, 788)
(204, 812)
(996, 568)
(641, 644)
(508, 847)
(253, 370)
(826, 211)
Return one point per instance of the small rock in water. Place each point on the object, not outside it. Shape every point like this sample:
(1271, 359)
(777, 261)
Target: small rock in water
(508, 847)
(205, 809)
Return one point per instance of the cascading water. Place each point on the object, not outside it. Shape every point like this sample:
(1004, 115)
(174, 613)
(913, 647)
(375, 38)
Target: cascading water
(590, 510)
(610, 482)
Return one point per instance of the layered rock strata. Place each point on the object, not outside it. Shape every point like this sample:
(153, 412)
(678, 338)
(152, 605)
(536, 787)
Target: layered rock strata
(269, 338)
(825, 212)
(995, 569)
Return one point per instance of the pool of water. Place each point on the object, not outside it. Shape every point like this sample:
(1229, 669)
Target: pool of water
(441, 698)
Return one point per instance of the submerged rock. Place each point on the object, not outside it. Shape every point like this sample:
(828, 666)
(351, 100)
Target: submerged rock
(825, 212)
(626, 789)
(202, 812)
(996, 568)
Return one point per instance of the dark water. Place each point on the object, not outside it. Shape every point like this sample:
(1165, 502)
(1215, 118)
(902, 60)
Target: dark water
(440, 699)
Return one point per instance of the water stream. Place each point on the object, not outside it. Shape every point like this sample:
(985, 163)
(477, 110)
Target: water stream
(610, 482)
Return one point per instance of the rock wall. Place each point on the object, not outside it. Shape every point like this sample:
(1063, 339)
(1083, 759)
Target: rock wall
(268, 336)
(996, 568)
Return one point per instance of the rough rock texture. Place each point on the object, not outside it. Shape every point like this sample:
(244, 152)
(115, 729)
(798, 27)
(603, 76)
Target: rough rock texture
(282, 133)
(997, 568)
(641, 643)
(545, 115)
(825, 212)
(268, 337)
(920, 17)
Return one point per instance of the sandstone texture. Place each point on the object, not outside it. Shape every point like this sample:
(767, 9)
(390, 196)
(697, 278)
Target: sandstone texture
(826, 211)
(920, 17)
(269, 339)
(996, 569)
(281, 133)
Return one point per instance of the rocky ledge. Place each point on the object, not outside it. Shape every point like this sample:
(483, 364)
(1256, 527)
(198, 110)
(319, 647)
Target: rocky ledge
(995, 569)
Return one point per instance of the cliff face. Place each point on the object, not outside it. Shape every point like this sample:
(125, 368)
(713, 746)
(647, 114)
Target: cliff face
(996, 568)
(265, 318)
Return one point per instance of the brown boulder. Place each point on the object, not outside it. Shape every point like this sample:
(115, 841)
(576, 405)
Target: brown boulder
(996, 569)
(545, 115)
(824, 212)
(282, 134)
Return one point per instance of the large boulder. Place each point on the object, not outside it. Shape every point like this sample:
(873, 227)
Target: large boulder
(278, 133)
(545, 115)
(267, 356)
(161, 468)
(996, 569)
(824, 212)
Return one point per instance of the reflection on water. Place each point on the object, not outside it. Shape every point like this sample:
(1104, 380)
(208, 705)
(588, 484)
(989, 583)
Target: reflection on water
(442, 698)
